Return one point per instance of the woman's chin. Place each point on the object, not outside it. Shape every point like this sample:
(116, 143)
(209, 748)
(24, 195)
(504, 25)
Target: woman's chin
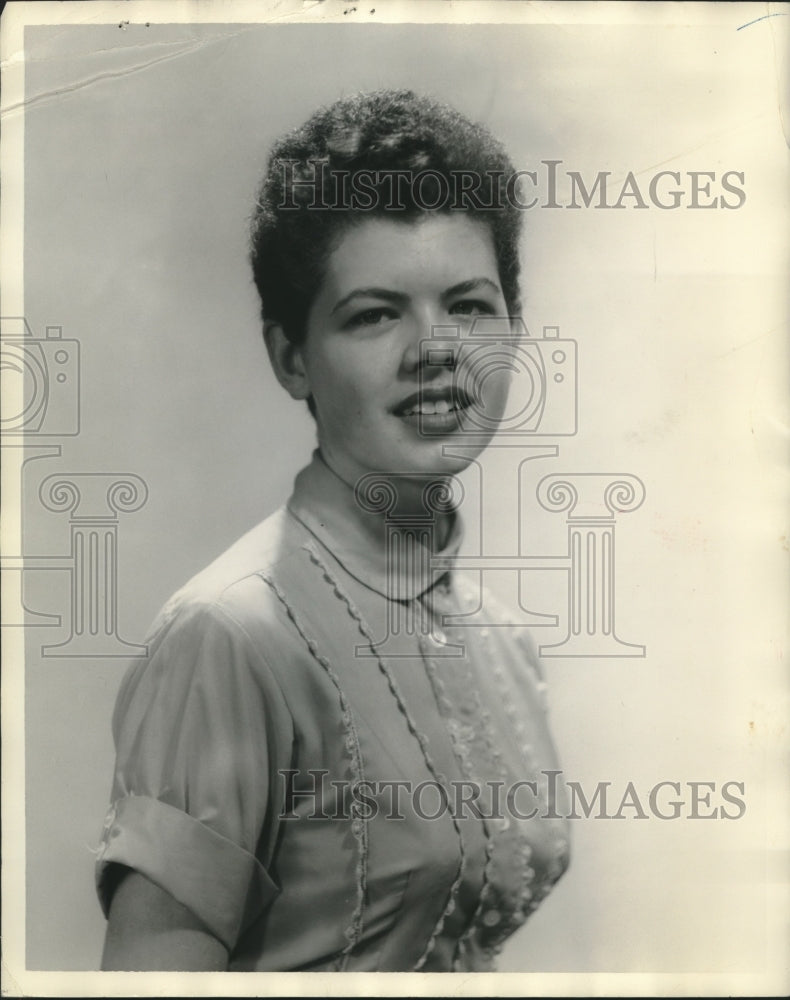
(444, 459)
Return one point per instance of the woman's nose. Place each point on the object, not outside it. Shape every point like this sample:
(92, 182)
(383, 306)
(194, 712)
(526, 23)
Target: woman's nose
(432, 344)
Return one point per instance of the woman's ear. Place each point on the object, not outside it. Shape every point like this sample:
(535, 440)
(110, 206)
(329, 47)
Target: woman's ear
(286, 360)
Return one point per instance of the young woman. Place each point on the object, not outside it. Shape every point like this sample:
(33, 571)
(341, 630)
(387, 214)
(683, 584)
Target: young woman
(319, 766)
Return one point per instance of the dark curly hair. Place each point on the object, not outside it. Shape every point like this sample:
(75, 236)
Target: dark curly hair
(300, 216)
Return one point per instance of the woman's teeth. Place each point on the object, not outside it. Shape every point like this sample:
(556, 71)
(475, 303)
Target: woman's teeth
(428, 408)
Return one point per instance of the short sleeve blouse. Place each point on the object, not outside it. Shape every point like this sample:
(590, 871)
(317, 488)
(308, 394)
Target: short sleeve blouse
(329, 778)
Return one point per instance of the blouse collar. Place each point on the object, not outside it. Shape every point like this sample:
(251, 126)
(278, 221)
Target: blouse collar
(357, 538)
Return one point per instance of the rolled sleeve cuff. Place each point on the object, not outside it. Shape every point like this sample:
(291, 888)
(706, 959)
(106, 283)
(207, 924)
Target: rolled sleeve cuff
(225, 886)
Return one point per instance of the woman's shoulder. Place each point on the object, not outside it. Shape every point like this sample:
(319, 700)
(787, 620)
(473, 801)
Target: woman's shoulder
(232, 588)
(224, 628)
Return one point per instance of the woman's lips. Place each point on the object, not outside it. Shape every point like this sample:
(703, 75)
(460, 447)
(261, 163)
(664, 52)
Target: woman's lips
(434, 411)
(434, 423)
(429, 402)
(429, 407)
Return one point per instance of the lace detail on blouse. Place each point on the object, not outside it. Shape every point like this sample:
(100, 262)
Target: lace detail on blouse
(420, 737)
(359, 825)
(505, 901)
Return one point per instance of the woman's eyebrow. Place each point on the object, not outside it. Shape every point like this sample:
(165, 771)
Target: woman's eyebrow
(389, 295)
(372, 293)
(472, 285)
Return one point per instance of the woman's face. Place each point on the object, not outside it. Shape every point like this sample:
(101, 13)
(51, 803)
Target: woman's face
(382, 402)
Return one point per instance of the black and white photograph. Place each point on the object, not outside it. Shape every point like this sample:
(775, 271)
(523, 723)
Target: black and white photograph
(395, 485)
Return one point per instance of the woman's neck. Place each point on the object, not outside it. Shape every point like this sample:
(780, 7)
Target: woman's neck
(402, 497)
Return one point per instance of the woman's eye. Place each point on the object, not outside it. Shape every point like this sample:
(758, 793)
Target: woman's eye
(370, 317)
(471, 307)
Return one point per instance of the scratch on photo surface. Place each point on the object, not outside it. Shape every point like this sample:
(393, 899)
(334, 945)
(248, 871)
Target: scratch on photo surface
(778, 13)
(183, 50)
(746, 343)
